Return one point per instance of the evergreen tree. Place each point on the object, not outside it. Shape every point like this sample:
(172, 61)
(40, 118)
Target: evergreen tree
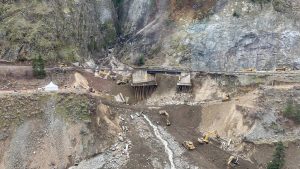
(278, 157)
(38, 68)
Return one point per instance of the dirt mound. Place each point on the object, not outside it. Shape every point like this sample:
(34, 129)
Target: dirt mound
(223, 117)
(80, 81)
(109, 86)
(231, 119)
(165, 91)
(206, 90)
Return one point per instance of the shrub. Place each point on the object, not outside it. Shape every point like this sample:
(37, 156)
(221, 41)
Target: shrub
(117, 2)
(292, 111)
(179, 4)
(236, 14)
(278, 157)
(38, 68)
(139, 61)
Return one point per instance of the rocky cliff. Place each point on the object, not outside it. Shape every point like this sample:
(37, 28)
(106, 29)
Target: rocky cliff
(210, 35)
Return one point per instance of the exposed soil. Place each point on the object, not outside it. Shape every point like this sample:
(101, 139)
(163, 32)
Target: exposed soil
(109, 86)
(184, 126)
(21, 78)
(71, 127)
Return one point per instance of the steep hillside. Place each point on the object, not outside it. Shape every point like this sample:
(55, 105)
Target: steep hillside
(53, 130)
(205, 35)
(57, 30)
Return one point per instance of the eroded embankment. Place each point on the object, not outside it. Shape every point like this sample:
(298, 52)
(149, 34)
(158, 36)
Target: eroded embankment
(210, 87)
(45, 130)
(254, 115)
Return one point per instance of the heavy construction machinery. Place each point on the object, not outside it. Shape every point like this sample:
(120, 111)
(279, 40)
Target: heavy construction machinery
(281, 69)
(165, 113)
(189, 145)
(249, 70)
(104, 73)
(226, 98)
(207, 136)
(62, 68)
(123, 80)
(62, 65)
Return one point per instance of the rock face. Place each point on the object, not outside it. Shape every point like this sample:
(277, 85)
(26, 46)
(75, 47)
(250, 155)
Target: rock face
(210, 35)
(259, 38)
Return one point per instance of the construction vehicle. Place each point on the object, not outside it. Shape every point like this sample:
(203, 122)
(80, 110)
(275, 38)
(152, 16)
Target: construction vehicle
(104, 73)
(226, 98)
(233, 161)
(62, 65)
(207, 136)
(249, 70)
(189, 145)
(123, 81)
(281, 69)
(165, 113)
(62, 68)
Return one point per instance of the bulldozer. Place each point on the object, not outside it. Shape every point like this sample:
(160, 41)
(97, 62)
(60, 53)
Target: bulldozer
(207, 136)
(189, 145)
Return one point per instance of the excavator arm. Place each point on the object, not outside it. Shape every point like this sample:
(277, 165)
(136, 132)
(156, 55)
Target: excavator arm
(206, 136)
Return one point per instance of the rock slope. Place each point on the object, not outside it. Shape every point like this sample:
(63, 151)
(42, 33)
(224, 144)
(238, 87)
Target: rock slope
(210, 35)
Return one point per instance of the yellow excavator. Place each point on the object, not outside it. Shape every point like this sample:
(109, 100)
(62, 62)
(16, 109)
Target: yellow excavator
(206, 137)
(249, 70)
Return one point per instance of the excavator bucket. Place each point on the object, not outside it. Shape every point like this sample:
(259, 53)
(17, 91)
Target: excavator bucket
(205, 138)
(202, 141)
